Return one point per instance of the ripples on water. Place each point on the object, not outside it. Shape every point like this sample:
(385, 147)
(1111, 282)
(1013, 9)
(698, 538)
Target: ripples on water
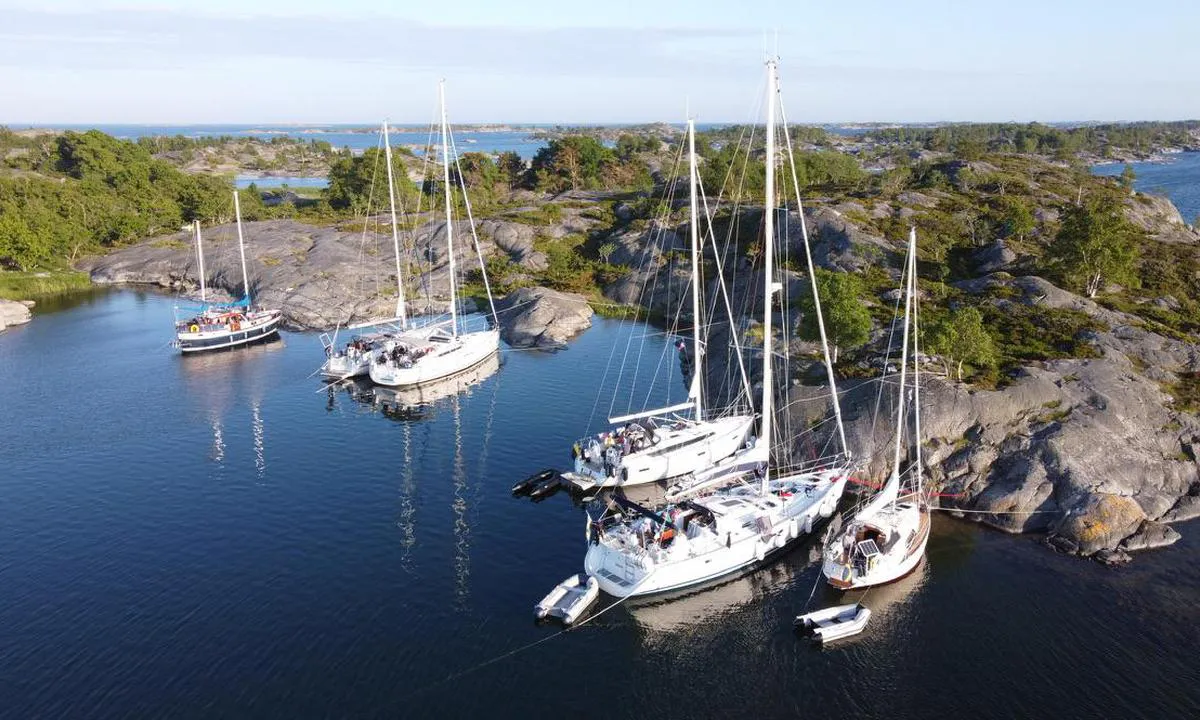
(217, 536)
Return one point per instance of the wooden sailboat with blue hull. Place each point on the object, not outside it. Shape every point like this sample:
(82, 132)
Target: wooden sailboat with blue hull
(217, 326)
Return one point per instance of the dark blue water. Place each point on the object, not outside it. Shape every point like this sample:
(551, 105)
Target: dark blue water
(217, 537)
(1178, 179)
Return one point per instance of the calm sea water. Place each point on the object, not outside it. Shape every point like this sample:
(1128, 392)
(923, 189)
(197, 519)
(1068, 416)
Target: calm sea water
(219, 537)
(520, 142)
(1178, 179)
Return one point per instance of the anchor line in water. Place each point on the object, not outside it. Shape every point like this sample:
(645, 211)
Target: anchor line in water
(529, 646)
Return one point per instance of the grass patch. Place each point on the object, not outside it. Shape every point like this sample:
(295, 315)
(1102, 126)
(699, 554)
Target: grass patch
(549, 214)
(1023, 333)
(32, 285)
(1186, 392)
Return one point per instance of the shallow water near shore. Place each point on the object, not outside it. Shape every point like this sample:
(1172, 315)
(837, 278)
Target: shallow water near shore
(218, 536)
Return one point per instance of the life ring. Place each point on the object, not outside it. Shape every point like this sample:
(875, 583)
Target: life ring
(194, 328)
(235, 326)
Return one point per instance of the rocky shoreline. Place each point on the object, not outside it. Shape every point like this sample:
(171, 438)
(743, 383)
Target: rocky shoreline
(14, 312)
(323, 278)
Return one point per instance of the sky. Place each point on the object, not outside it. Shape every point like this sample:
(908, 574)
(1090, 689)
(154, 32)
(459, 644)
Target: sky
(564, 61)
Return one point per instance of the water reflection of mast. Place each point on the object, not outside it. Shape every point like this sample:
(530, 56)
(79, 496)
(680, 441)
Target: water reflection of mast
(218, 446)
(462, 529)
(407, 520)
(260, 459)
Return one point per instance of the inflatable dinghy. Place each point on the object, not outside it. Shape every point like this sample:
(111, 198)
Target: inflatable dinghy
(568, 599)
(528, 485)
(834, 623)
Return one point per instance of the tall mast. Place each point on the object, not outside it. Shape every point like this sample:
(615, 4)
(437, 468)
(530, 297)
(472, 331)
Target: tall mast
(200, 255)
(237, 211)
(916, 360)
(449, 219)
(912, 243)
(387, 152)
(697, 351)
(768, 279)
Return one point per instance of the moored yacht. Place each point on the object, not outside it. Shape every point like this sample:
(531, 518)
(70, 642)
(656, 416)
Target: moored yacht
(886, 539)
(439, 350)
(213, 326)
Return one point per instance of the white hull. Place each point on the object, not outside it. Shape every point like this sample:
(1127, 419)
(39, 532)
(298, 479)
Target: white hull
(679, 448)
(909, 521)
(747, 528)
(343, 367)
(449, 357)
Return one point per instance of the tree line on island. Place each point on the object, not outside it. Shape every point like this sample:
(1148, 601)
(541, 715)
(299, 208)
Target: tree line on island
(69, 194)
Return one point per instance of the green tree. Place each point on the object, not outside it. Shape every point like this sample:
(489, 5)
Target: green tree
(512, 169)
(606, 251)
(1128, 176)
(574, 162)
(1095, 245)
(360, 182)
(1016, 217)
(959, 338)
(847, 320)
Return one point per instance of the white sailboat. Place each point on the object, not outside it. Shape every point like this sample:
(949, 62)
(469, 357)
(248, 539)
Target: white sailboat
(435, 351)
(639, 551)
(886, 539)
(660, 443)
(354, 359)
(214, 326)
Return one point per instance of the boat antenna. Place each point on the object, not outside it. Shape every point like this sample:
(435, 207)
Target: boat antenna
(237, 212)
(387, 153)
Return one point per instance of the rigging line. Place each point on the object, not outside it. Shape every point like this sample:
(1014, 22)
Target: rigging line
(471, 221)
(682, 302)
(660, 228)
(428, 150)
(728, 306)
(366, 219)
(645, 263)
(887, 356)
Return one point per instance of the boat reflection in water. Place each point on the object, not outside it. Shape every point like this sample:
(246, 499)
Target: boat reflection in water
(704, 605)
(408, 406)
(217, 380)
(416, 403)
